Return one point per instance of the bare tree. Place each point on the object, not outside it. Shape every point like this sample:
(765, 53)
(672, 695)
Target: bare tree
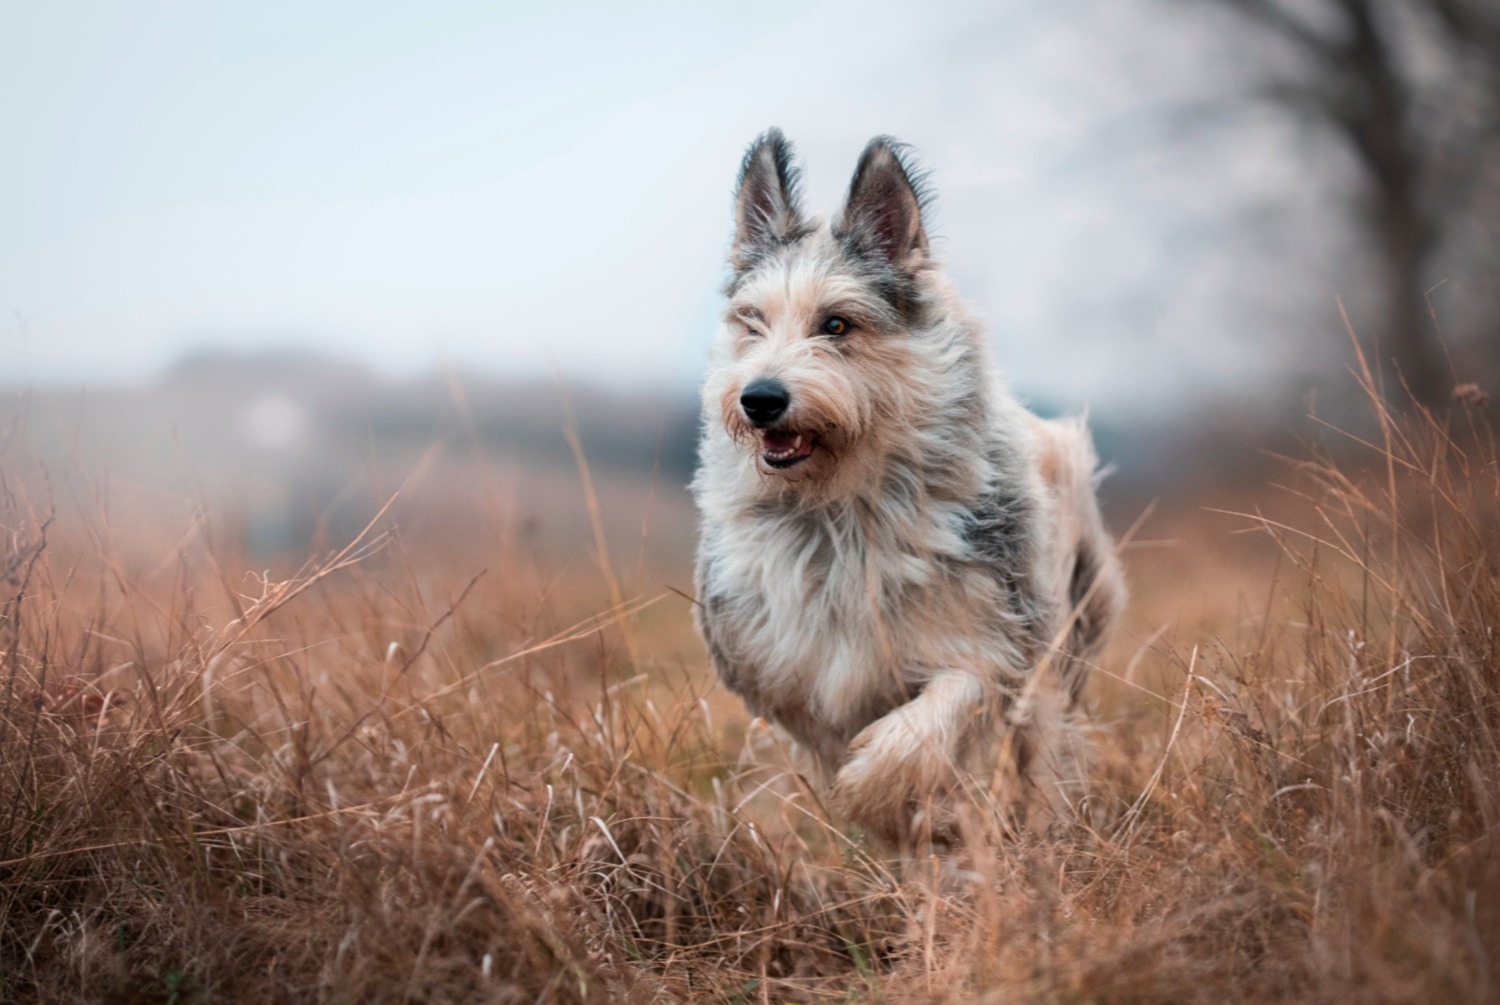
(1412, 89)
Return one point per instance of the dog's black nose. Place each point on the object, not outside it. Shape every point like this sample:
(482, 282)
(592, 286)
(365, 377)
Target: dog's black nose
(764, 401)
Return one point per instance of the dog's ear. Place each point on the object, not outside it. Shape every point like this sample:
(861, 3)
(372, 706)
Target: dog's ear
(765, 201)
(883, 214)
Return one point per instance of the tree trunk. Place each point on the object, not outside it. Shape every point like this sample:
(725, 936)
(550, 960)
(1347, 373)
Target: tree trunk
(1379, 133)
(1410, 341)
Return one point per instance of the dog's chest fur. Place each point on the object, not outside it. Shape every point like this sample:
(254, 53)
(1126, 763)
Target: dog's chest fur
(825, 618)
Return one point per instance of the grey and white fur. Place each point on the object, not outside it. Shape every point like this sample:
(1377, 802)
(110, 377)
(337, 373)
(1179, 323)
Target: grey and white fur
(899, 564)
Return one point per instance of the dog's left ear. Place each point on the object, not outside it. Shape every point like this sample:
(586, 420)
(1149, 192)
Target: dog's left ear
(883, 214)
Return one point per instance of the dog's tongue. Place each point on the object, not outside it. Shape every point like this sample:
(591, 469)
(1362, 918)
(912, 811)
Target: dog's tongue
(779, 439)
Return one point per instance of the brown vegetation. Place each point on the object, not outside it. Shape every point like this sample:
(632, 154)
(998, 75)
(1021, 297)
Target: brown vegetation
(383, 777)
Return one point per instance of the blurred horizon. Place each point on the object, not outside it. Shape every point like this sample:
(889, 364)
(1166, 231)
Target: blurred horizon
(282, 449)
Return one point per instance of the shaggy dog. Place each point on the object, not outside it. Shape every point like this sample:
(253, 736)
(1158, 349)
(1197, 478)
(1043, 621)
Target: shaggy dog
(899, 564)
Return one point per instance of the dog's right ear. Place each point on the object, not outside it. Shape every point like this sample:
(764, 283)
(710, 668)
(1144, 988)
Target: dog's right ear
(766, 213)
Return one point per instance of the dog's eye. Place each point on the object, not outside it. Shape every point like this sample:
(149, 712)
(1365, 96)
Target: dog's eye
(751, 332)
(835, 326)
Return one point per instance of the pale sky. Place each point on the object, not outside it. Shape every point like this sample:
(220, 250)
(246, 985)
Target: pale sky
(518, 188)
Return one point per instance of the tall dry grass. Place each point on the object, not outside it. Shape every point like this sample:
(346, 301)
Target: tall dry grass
(381, 778)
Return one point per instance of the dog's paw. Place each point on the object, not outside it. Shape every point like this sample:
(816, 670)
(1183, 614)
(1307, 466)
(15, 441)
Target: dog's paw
(890, 784)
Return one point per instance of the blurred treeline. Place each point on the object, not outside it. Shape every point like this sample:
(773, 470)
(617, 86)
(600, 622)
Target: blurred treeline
(288, 451)
(285, 451)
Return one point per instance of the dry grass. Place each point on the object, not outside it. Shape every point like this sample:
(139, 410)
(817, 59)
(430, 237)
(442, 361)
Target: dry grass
(381, 779)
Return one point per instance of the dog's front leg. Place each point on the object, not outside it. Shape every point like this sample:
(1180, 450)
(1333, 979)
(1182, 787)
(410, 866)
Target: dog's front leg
(901, 765)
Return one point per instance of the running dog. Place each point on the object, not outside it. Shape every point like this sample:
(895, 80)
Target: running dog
(899, 564)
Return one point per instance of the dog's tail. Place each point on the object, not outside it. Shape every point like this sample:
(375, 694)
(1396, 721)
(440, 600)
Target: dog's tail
(1084, 560)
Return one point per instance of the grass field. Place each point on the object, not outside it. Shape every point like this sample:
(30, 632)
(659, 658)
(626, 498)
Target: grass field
(466, 755)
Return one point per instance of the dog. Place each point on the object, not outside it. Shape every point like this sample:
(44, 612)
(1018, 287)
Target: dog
(898, 564)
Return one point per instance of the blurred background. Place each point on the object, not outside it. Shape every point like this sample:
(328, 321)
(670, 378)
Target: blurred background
(270, 262)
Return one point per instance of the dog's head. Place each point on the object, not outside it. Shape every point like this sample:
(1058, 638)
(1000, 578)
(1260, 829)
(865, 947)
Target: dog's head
(815, 366)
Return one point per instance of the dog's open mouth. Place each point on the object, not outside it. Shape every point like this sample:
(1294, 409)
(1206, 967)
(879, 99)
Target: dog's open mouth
(782, 448)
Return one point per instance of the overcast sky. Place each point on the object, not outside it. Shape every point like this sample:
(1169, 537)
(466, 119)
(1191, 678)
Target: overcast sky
(521, 187)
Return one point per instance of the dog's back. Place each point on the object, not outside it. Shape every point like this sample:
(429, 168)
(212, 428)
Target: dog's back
(1080, 553)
